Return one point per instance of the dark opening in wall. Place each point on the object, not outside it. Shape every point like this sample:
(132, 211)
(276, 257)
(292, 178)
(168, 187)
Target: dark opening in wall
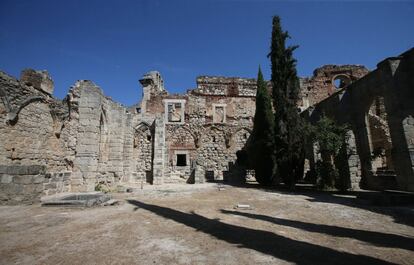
(209, 176)
(149, 137)
(148, 176)
(341, 81)
(181, 160)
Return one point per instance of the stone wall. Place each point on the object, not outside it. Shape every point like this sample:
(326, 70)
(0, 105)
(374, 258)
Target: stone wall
(322, 84)
(26, 184)
(217, 119)
(80, 141)
(88, 139)
(378, 109)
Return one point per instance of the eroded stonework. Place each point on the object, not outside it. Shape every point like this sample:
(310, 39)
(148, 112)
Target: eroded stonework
(378, 109)
(49, 146)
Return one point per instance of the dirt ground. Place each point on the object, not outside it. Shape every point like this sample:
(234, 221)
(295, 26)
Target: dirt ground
(197, 224)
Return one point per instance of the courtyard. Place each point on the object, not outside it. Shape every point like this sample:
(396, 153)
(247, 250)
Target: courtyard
(202, 224)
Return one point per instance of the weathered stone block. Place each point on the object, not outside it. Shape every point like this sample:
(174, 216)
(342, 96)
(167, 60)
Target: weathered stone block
(23, 179)
(37, 79)
(6, 178)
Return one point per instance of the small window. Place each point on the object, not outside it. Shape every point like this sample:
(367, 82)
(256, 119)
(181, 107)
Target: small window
(219, 115)
(149, 137)
(175, 112)
(181, 160)
(138, 110)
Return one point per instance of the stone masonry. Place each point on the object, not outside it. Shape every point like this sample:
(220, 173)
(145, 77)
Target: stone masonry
(50, 146)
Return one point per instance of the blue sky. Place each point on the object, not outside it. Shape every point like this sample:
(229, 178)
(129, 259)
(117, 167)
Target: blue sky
(114, 43)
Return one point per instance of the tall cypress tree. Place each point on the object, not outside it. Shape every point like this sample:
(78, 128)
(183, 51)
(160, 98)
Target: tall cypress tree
(260, 147)
(288, 150)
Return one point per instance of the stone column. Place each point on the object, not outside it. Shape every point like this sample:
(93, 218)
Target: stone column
(354, 163)
(87, 148)
(158, 165)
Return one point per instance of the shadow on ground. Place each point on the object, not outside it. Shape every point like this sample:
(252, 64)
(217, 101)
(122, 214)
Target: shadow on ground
(401, 215)
(372, 237)
(262, 241)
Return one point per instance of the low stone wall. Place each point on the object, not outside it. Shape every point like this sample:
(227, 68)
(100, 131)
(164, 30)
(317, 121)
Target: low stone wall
(21, 184)
(26, 184)
(56, 183)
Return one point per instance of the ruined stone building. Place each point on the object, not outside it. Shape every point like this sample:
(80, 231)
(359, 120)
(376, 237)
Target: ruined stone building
(379, 110)
(49, 146)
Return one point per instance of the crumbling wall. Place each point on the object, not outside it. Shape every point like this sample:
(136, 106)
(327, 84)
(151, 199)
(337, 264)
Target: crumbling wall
(225, 86)
(102, 155)
(322, 84)
(35, 132)
(377, 108)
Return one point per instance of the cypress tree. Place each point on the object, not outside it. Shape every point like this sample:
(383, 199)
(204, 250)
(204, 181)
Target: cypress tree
(260, 147)
(288, 149)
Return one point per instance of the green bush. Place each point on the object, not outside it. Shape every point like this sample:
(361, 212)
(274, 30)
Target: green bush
(326, 175)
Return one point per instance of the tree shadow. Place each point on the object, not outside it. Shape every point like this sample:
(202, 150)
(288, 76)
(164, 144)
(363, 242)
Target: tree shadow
(401, 215)
(262, 241)
(355, 199)
(375, 238)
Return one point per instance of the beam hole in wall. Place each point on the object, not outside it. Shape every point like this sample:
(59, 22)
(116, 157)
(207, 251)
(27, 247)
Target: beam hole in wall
(181, 160)
(341, 81)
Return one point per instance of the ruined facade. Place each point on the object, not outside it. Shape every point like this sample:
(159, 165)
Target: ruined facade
(379, 111)
(49, 146)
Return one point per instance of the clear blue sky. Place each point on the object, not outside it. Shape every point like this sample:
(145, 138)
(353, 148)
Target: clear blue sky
(114, 43)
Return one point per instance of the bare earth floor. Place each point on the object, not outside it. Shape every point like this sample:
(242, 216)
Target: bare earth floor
(177, 225)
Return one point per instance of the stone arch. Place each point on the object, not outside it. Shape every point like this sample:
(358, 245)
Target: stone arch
(182, 136)
(3, 108)
(143, 151)
(29, 140)
(213, 152)
(408, 126)
(349, 164)
(195, 134)
(142, 126)
(182, 153)
(4, 101)
(103, 137)
(239, 138)
(13, 114)
(379, 138)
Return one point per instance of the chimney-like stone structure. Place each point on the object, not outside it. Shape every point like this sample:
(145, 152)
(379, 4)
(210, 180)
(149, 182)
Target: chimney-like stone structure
(40, 80)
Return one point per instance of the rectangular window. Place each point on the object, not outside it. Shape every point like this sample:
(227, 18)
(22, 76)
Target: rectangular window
(181, 160)
(219, 113)
(174, 112)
